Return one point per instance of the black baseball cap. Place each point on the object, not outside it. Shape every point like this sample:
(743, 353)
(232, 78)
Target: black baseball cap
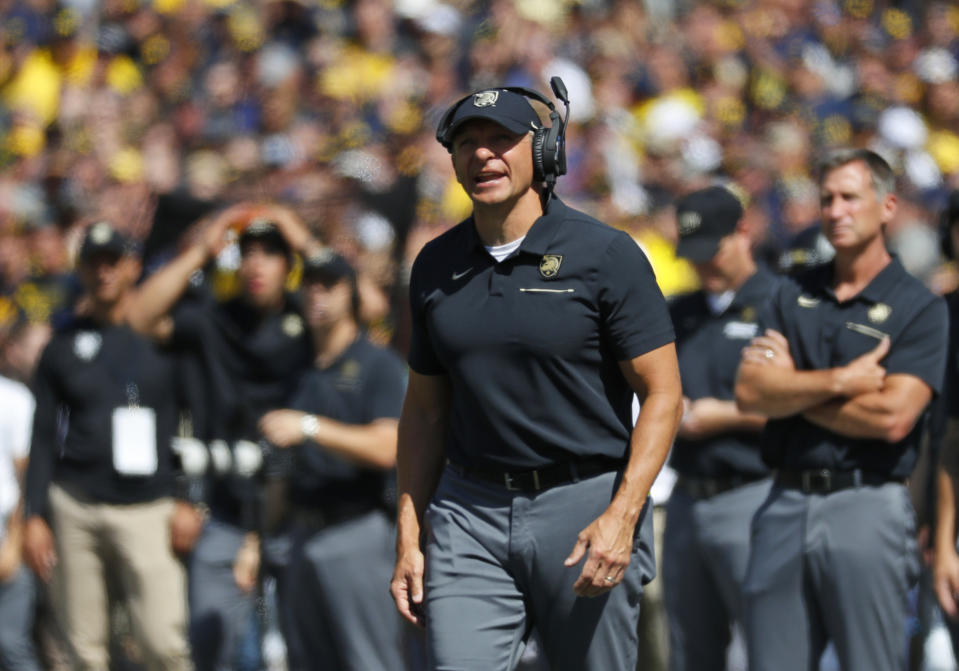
(509, 109)
(103, 238)
(327, 266)
(267, 233)
(705, 217)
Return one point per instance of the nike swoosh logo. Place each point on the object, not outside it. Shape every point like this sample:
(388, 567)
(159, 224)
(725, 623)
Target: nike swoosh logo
(457, 276)
(807, 302)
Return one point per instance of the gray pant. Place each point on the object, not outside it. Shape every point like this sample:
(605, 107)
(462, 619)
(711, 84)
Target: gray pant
(495, 570)
(834, 567)
(17, 600)
(343, 615)
(705, 554)
(221, 614)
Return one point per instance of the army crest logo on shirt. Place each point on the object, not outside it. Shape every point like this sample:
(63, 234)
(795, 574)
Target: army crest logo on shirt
(86, 345)
(292, 325)
(879, 313)
(485, 99)
(549, 265)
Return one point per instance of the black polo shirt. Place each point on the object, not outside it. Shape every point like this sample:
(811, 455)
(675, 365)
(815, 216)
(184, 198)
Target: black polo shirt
(531, 344)
(709, 347)
(365, 383)
(87, 371)
(252, 362)
(240, 365)
(824, 333)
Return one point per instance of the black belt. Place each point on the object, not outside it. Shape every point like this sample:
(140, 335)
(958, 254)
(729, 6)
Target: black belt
(825, 481)
(541, 478)
(705, 488)
(316, 518)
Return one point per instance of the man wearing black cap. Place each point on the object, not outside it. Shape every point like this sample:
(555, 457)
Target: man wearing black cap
(99, 482)
(250, 351)
(852, 353)
(533, 324)
(722, 479)
(341, 425)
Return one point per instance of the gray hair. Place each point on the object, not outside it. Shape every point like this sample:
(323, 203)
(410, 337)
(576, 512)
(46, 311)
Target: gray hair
(883, 179)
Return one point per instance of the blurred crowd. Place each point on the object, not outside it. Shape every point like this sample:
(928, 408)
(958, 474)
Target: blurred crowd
(149, 114)
(152, 114)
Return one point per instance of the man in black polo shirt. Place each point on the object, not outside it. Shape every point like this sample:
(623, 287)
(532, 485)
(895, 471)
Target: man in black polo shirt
(99, 482)
(852, 354)
(251, 351)
(342, 424)
(722, 478)
(532, 325)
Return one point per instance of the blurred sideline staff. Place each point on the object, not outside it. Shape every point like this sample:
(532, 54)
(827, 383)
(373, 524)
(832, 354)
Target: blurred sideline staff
(852, 353)
(21, 342)
(99, 482)
(722, 479)
(342, 550)
(250, 352)
(946, 558)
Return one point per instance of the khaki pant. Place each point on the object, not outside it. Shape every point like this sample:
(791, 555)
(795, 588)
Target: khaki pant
(130, 546)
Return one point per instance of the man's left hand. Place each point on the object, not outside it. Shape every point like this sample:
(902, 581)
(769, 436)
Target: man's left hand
(608, 542)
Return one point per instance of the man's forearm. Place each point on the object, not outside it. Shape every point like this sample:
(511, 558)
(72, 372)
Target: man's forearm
(419, 463)
(889, 414)
(776, 391)
(652, 436)
(160, 292)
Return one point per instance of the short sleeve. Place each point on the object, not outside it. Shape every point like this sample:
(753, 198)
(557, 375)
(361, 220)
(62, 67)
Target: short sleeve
(422, 356)
(634, 313)
(387, 386)
(921, 349)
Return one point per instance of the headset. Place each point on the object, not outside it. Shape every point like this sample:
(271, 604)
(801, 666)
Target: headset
(549, 144)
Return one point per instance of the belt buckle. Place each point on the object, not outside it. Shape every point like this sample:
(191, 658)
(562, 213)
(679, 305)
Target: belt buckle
(508, 480)
(817, 481)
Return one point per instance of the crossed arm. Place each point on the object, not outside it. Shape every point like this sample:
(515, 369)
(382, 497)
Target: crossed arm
(857, 400)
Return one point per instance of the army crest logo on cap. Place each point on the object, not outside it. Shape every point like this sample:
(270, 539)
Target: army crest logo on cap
(879, 313)
(689, 222)
(485, 98)
(101, 233)
(86, 345)
(292, 325)
(549, 265)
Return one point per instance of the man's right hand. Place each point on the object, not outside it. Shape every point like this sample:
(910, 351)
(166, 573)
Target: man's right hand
(407, 584)
(38, 548)
(864, 375)
(945, 580)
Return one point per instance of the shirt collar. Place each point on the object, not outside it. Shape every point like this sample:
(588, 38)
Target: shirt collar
(877, 289)
(538, 239)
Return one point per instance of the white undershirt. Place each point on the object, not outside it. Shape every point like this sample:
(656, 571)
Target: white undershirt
(500, 252)
(719, 302)
(16, 421)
